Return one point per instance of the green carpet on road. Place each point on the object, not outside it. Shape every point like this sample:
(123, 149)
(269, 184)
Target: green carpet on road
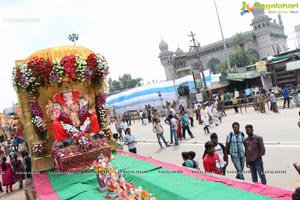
(161, 182)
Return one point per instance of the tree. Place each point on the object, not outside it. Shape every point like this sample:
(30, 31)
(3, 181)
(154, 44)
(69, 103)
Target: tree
(242, 59)
(125, 82)
(115, 85)
(128, 82)
(240, 40)
(239, 59)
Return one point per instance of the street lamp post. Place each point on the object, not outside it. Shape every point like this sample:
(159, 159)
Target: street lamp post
(224, 43)
(73, 37)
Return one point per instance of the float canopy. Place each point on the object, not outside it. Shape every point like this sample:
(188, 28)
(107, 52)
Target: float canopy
(60, 51)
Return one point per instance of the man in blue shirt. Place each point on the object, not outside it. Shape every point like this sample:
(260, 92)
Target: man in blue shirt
(16, 142)
(235, 147)
(286, 96)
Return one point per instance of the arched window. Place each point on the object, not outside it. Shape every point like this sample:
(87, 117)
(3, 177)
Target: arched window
(255, 28)
(283, 47)
(263, 25)
(259, 26)
(278, 50)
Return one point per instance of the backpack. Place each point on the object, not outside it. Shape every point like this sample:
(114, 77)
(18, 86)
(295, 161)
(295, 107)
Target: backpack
(230, 137)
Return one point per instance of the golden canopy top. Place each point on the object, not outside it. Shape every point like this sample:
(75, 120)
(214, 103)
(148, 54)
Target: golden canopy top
(60, 51)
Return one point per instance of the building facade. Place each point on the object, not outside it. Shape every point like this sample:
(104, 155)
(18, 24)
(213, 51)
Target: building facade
(297, 34)
(267, 39)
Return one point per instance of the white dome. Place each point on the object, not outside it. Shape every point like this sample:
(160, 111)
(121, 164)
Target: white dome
(163, 46)
(179, 52)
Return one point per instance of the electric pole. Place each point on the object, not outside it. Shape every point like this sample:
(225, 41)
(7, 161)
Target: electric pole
(196, 48)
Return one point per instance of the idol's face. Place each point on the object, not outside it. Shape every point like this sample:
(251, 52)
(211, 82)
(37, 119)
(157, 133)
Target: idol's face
(68, 96)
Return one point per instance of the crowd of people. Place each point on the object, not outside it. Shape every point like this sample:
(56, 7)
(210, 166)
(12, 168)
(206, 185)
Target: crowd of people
(260, 97)
(244, 149)
(13, 147)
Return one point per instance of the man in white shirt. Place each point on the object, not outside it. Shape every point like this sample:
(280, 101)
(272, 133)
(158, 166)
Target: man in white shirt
(124, 125)
(130, 141)
(190, 113)
(220, 150)
(236, 93)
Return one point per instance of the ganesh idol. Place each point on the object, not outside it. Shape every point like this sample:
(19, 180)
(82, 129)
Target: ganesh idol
(71, 114)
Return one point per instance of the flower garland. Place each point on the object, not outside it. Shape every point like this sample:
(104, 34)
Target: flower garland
(101, 108)
(38, 120)
(40, 72)
(96, 68)
(80, 135)
(38, 149)
(80, 68)
(57, 72)
(40, 69)
(84, 142)
(23, 77)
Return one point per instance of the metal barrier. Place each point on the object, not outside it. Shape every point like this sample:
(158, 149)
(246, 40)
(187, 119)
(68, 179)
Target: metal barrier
(248, 102)
(242, 102)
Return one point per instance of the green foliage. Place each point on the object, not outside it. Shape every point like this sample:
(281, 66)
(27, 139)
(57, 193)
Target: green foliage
(221, 67)
(239, 40)
(239, 59)
(242, 59)
(116, 85)
(126, 82)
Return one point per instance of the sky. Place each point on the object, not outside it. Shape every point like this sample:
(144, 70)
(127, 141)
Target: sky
(126, 32)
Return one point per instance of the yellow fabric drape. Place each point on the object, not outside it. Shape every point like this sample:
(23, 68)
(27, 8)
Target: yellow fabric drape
(61, 51)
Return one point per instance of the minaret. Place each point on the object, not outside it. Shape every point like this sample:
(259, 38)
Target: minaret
(279, 19)
(261, 27)
(166, 59)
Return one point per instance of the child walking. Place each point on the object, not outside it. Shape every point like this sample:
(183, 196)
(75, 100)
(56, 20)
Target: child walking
(192, 156)
(187, 161)
(158, 129)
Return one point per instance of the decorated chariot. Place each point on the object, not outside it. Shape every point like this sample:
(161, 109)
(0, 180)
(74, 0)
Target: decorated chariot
(62, 95)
